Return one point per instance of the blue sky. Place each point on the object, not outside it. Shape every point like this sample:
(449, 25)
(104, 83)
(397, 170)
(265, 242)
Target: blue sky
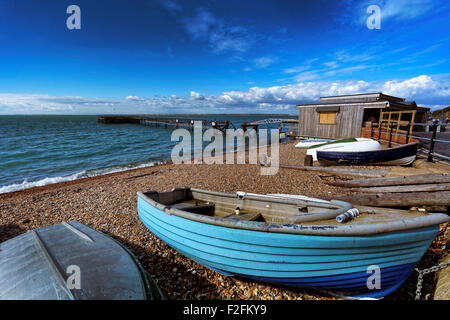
(158, 56)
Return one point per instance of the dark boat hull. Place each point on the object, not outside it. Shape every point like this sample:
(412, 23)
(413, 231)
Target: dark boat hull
(403, 155)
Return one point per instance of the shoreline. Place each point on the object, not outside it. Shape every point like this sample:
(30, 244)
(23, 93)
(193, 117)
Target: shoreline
(56, 185)
(81, 178)
(123, 169)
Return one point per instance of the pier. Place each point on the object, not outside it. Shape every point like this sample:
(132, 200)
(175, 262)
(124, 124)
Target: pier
(221, 125)
(188, 123)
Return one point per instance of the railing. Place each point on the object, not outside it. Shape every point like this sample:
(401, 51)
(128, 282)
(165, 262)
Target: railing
(391, 117)
(270, 121)
(287, 125)
(408, 134)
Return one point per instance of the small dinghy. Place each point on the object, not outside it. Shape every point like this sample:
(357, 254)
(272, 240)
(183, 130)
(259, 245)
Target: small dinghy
(71, 261)
(292, 241)
(345, 145)
(398, 156)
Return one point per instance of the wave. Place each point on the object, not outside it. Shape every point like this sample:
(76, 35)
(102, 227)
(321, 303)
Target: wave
(30, 184)
(83, 174)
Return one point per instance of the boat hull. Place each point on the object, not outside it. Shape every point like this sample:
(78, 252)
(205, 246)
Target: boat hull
(338, 263)
(40, 265)
(360, 145)
(403, 156)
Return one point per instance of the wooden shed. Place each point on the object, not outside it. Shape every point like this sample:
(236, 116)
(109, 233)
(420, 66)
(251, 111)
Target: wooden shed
(346, 116)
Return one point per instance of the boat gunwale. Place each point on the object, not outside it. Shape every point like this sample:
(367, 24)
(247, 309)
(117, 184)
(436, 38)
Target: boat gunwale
(292, 228)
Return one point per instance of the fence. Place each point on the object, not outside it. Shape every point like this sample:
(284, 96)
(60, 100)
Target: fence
(391, 129)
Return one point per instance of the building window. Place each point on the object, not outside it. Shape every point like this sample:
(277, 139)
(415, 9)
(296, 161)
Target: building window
(327, 117)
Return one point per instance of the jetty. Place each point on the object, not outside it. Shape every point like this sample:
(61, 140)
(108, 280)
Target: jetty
(164, 122)
(184, 122)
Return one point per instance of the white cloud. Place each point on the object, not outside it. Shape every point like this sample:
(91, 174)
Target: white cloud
(172, 6)
(42, 103)
(398, 10)
(201, 24)
(331, 64)
(263, 62)
(418, 86)
(405, 9)
(307, 76)
(434, 107)
(296, 69)
(196, 96)
(424, 89)
(342, 71)
(133, 98)
(221, 36)
(345, 56)
(305, 66)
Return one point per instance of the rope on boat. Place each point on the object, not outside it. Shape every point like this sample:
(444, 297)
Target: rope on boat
(347, 216)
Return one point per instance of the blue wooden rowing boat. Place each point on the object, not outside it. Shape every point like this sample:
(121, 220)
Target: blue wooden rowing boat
(291, 241)
(402, 155)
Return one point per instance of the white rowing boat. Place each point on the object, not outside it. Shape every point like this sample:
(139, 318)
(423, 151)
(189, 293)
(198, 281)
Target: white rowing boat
(361, 145)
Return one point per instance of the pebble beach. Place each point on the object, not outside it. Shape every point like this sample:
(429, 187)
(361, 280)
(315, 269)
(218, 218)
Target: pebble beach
(108, 204)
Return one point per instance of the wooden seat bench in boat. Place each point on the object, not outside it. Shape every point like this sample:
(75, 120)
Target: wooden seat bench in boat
(245, 216)
(197, 208)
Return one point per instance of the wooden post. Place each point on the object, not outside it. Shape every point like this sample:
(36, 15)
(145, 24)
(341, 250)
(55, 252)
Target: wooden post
(398, 124)
(407, 132)
(379, 130)
(433, 137)
(308, 160)
(390, 134)
(412, 121)
(380, 121)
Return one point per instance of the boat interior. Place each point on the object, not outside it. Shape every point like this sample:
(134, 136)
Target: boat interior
(261, 208)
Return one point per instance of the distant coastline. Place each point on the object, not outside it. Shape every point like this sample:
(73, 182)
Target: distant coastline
(158, 114)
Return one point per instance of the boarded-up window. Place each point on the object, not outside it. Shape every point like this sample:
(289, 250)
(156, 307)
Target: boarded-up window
(327, 117)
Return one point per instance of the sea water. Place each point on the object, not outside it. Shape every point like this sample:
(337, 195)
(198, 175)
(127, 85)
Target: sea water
(37, 150)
